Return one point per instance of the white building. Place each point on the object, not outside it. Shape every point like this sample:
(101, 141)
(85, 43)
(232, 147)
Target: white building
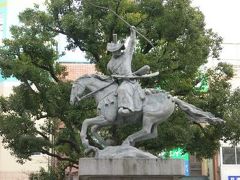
(229, 162)
(230, 155)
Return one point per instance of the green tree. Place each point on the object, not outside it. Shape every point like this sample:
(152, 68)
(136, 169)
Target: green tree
(52, 174)
(181, 45)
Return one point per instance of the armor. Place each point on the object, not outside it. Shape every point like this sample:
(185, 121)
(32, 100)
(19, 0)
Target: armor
(130, 93)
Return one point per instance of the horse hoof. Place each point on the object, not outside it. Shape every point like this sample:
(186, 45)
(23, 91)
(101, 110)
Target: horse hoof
(126, 143)
(91, 150)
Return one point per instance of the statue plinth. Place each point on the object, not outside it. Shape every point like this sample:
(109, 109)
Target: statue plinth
(130, 168)
(123, 151)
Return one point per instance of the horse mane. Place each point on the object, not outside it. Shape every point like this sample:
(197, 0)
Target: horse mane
(100, 77)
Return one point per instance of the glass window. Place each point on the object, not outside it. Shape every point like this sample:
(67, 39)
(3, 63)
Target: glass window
(228, 154)
(238, 155)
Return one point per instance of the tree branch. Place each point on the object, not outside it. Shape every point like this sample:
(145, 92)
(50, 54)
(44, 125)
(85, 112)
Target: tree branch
(52, 73)
(58, 156)
(49, 69)
(43, 135)
(29, 86)
(73, 144)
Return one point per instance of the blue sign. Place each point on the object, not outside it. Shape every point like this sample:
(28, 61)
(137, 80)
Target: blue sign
(233, 177)
(186, 164)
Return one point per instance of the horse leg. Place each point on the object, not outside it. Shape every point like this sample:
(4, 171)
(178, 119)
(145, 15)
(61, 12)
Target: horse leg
(142, 134)
(130, 140)
(153, 134)
(94, 131)
(99, 120)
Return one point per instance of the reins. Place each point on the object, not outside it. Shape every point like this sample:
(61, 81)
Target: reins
(94, 92)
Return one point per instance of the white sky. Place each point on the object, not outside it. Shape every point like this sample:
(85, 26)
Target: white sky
(14, 7)
(17, 6)
(223, 17)
(220, 15)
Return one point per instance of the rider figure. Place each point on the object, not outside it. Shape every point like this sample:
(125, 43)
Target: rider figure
(130, 93)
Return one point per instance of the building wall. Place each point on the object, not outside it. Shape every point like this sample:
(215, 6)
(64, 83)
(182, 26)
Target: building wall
(231, 56)
(236, 79)
(75, 70)
(11, 170)
(229, 171)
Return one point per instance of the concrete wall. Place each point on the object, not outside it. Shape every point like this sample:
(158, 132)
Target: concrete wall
(130, 169)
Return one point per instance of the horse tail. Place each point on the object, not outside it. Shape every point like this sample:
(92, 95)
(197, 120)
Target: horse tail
(197, 114)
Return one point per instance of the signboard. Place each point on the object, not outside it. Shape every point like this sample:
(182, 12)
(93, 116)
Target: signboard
(201, 84)
(233, 177)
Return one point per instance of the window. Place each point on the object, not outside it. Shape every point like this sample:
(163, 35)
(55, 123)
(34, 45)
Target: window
(231, 155)
(228, 154)
(238, 155)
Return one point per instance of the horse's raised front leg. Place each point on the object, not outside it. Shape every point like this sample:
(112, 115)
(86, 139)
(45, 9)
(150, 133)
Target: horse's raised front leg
(99, 120)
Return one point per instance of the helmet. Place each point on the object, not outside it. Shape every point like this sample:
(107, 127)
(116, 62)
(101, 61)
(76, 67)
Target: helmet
(114, 46)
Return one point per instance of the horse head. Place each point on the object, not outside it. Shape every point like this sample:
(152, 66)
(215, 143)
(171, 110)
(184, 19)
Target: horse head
(78, 88)
(93, 83)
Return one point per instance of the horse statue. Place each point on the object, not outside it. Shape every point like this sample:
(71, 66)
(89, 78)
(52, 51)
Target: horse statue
(157, 107)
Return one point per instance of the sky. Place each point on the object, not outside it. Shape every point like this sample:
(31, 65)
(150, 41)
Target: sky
(17, 6)
(223, 17)
(220, 15)
(14, 7)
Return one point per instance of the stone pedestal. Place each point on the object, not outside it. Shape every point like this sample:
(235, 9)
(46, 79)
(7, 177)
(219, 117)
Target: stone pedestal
(130, 169)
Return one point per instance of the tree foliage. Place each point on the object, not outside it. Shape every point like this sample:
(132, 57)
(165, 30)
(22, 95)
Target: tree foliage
(32, 115)
(52, 174)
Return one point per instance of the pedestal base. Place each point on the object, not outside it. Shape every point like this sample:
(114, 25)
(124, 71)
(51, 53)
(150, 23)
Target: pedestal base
(130, 169)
